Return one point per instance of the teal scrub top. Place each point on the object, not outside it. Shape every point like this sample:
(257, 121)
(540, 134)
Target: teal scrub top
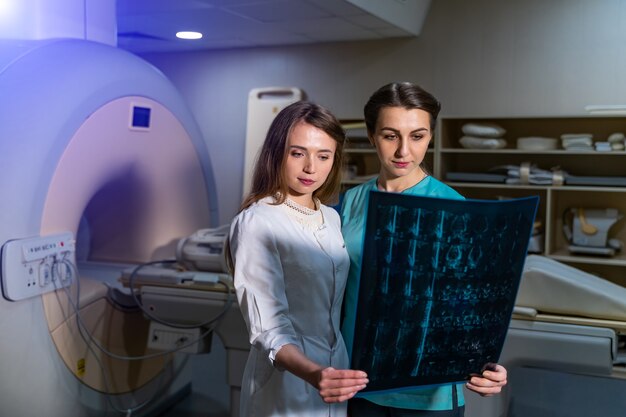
(353, 211)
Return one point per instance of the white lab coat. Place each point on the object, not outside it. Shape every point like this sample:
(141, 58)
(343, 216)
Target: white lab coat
(290, 282)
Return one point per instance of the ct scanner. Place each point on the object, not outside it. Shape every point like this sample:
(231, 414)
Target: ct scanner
(97, 143)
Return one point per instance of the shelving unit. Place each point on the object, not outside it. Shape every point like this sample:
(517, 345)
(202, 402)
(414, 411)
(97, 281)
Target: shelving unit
(450, 156)
(361, 161)
(447, 155)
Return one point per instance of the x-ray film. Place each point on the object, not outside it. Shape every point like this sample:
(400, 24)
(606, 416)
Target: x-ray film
(438, 284)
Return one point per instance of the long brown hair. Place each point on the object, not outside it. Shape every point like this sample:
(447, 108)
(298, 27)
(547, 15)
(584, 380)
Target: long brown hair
(268, 179)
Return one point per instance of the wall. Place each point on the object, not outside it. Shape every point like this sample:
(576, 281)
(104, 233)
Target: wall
(479, 57)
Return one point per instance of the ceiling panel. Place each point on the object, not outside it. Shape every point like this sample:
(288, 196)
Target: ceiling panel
(337, 8)
(126, 7)
(369, 21)
(279, 10)
(151, 25)
(333, 28)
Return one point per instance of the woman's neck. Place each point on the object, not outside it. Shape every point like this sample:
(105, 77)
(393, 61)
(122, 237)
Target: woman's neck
(399, 184)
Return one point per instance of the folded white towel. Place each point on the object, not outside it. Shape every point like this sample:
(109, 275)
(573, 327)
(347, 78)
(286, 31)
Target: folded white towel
(579, 140)
(576, 135)
(473, 142)
(536, 143)
(578, 148)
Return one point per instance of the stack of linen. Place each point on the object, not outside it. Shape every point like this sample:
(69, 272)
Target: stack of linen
(482, 136)
(528, 173)
(584, 142)
(577, 141)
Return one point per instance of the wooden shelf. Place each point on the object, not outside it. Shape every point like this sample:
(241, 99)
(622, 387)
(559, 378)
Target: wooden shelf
(535, 187)
(564, 255)
(459, 184)
(554, 200)
(359, 150)
(524, 152)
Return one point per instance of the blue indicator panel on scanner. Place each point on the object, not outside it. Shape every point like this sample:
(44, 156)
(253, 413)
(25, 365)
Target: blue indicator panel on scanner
(141, 117)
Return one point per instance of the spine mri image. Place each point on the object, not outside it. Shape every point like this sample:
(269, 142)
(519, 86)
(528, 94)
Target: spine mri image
(437, 288)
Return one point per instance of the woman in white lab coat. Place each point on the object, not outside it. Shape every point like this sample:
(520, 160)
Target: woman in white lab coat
(290, 270)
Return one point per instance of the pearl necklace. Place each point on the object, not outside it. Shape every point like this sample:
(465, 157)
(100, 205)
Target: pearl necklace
(300, 208)
(308, 218)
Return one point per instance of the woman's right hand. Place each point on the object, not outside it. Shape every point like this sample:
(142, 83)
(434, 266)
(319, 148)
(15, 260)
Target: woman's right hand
(337, 385)
(334, 385)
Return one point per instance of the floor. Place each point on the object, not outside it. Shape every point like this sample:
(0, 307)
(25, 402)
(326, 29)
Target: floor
(208, 394)
(196, 405)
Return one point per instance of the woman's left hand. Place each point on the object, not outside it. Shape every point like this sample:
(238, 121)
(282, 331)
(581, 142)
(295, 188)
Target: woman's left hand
(490, 382)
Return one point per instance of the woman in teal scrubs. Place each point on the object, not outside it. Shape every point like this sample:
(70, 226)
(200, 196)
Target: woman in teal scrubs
(400, 120)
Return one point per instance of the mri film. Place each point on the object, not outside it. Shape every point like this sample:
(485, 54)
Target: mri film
(438, 284)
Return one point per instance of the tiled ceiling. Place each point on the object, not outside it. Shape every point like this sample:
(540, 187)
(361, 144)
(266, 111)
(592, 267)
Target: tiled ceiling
(151, 25)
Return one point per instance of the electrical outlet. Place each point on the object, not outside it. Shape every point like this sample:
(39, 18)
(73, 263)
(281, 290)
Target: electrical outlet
(32, 266)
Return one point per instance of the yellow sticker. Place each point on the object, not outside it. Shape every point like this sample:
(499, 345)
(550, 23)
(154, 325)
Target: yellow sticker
(80, 368)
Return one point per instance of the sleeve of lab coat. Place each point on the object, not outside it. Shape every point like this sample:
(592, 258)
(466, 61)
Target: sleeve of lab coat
(260, 284)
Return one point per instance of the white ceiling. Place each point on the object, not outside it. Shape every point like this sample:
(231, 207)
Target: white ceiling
(151, 25)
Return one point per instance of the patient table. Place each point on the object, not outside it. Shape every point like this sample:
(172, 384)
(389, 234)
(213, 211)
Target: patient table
(568, 324)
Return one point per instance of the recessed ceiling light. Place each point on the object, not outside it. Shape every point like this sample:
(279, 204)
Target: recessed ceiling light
(189, 35)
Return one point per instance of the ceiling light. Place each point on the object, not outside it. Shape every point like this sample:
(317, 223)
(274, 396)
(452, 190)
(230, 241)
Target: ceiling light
(189, 35)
